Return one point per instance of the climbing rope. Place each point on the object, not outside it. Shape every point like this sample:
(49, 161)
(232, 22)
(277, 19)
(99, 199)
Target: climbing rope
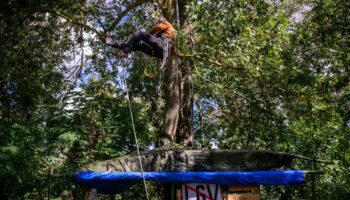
(135, 136)
(146, 73)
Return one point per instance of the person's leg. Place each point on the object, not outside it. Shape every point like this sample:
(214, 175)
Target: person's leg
(114, 43)
(144, 48)
(143, 41)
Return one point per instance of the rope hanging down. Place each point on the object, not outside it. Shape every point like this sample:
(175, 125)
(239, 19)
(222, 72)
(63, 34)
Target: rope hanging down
(135, 136)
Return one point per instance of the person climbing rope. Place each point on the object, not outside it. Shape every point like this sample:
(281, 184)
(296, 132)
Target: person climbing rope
(158, 42)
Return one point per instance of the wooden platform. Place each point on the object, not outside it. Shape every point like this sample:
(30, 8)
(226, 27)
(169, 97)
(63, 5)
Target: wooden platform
(244, 193)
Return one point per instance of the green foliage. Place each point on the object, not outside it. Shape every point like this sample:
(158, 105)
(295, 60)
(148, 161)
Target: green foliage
(266, 76)
(277, 84)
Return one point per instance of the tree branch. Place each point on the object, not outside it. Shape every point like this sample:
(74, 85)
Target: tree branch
(100, 34)
(71, 20)
(76, 73)
(99, 22)
(200, 56)
(122, 14)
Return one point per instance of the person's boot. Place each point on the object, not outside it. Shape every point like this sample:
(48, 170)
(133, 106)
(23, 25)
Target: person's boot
(111, 42)
(121, 54)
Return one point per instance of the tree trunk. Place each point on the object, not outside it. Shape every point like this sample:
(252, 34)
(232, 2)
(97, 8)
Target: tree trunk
(171, 81)
(185, 130)
(91, 194)
(179, 98)
(172, 99)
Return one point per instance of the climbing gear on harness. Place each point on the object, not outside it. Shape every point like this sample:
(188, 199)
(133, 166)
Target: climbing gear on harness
(168, 43)
(146, 73)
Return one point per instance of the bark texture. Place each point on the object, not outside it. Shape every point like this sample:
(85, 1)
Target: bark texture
(178, 123)
(185, 127)
(172, 99)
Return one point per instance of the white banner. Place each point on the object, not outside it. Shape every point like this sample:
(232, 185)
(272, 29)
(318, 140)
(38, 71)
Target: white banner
(198, 191)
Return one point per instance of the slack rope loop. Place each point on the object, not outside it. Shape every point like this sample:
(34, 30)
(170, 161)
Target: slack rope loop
(150, 75)
(135, 136)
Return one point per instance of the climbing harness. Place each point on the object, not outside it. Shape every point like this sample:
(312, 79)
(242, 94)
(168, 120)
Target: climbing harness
(168, 43)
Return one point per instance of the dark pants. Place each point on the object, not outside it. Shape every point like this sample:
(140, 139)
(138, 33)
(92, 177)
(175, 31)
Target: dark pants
(145, 42)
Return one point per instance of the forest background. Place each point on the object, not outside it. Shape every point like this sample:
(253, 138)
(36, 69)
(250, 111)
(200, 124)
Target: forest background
(268, 75)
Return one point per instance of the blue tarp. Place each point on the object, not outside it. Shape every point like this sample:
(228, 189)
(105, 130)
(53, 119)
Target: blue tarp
(116, 182)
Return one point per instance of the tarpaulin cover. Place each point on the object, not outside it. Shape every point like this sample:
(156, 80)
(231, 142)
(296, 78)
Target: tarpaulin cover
(196, 160)
(116, 182)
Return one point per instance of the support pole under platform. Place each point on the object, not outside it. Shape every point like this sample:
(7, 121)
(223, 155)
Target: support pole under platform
(91, 194)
